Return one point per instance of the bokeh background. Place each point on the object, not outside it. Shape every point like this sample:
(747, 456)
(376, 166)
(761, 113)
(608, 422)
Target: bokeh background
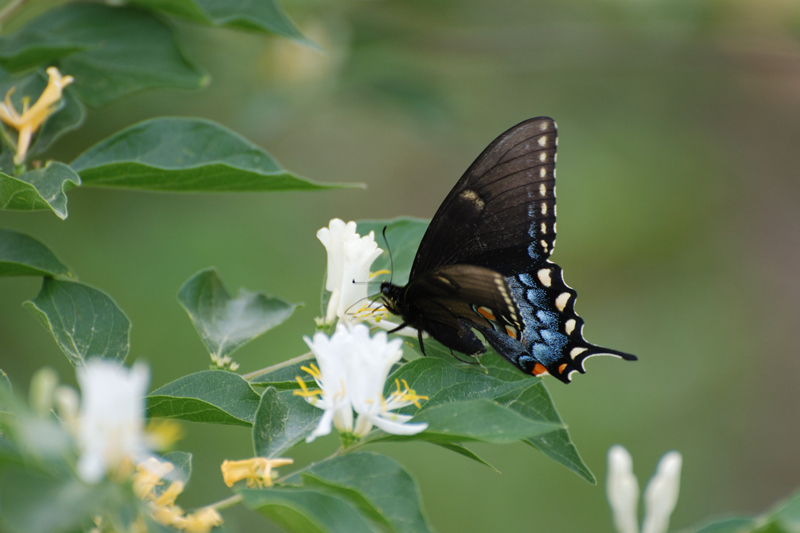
(679, 210)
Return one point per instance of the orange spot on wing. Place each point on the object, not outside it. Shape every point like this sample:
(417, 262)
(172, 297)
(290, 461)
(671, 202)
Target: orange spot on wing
(561, 368)
(511, 332)
(486, 313)
(539, 370)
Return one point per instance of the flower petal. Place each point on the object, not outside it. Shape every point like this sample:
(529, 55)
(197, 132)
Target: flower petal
(622, 490)
(661, 494)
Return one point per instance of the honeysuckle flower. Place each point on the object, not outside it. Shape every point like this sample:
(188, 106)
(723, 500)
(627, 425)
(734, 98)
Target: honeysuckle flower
(350, 257)
(367, 365)
(331, 379)
(150, 474)
(661, 494)
(161, 506)
(163, 434)
(202, 521)
(111, 422)
(257, 471)
(34, 116)
(351, 376)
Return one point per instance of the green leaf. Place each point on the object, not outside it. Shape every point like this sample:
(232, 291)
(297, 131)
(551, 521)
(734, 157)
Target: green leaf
(33, 45)
(477, 420)
(306, 510)
(34, 502)
(186, 154)
(21, 255)
(785, 516)
(225, 324)
(283, 376)
(403, 235)
(282, 420)
(262, 16)
(84, 321)
(67, 116)
(213, 396)
(379, 487)
(183, 464)
(466, 452)
(111, 51)
(444, 382)
(535, 403)
(43, 188)
(725, 525)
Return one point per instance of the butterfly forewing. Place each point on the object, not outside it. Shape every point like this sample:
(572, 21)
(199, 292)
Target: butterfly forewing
(501, 213)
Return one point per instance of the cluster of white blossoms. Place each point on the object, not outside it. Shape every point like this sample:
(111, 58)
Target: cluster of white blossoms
(352, 367)
(351, 375)
(109, 428)
(110, 425)
(660, 496)
(350, 258)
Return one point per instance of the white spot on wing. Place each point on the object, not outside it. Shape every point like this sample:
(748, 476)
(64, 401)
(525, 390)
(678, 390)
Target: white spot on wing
(561, 301)
(544, 208)
(575, 352)
(544, 228)
(543, 140)
(544, 277)
(569, 326)
(543, 157)
(542, 187)
(542, 172)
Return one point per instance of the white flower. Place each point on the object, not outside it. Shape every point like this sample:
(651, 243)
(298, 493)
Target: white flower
(332, 381)
(350, 257)
(367, 365)
(352, 374)
(111, 421)
(661, 494)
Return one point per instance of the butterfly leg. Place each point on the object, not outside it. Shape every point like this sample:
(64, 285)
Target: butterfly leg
(421, 344)
(398, 328)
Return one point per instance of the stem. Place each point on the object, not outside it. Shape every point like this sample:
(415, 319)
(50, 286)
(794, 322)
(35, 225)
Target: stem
(227, 502)
(253, 375)
(9, 8)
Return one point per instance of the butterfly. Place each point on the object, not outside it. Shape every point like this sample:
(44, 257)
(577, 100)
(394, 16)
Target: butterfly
(483, 264)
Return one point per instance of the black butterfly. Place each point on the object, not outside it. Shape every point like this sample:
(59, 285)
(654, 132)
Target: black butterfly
(483, 263)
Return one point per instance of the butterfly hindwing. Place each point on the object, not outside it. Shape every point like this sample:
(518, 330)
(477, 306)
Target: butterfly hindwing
(501, 214)
(449, 301)
(552, 336)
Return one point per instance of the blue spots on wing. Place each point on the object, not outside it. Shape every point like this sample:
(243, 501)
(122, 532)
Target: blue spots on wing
(533, 251)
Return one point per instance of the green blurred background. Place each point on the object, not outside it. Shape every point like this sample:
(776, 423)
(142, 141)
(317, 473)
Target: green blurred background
(678, 225)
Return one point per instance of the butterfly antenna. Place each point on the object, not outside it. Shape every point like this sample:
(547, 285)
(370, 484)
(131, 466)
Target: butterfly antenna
(391, 259)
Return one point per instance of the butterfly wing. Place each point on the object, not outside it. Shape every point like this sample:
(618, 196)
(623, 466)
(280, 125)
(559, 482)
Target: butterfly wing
(501, 213)
(499, 221)
(552, 337)
(449, 301)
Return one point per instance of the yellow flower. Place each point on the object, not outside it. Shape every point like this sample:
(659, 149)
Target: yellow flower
(33, 117)
(257, 471)
(148, 476)
(202, 521)
(167, 498)
(163, 434)
(169, 515)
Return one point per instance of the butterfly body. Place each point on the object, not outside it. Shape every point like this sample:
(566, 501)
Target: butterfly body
(483, 263)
